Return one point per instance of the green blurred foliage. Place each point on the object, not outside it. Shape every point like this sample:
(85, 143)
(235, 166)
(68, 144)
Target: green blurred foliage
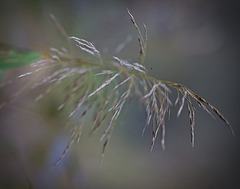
(14, 59)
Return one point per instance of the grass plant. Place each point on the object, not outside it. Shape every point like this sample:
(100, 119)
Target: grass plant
(99, 90)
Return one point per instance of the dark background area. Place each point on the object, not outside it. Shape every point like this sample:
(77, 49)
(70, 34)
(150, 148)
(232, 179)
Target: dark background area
(193, 42)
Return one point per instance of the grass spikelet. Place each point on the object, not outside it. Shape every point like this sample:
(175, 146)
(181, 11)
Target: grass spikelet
(182, 103)
(72, 140)
(107, 82)
(86, 46)
(121, 83)
(79, 104)
(220, 115)
(142, 40)
(192, 120)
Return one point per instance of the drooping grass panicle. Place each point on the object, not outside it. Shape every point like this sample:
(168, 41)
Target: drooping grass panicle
(101, 90)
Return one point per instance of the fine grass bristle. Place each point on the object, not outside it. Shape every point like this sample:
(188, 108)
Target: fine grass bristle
(102, 89)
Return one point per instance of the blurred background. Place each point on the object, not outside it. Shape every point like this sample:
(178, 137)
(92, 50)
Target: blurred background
(194, 42)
